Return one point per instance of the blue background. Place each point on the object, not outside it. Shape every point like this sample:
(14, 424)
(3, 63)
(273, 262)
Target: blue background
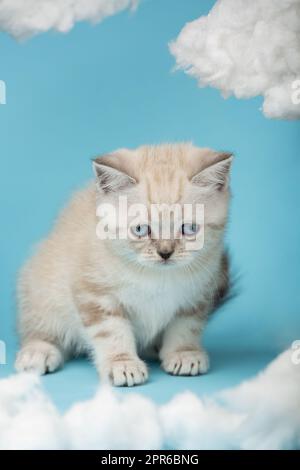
(97, 88)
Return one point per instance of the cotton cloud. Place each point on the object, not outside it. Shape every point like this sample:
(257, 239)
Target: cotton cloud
(192, 423)
(28, 419)
(25, 18)
(109, 422)
(271, 404)
(262, 413)
(247, 48)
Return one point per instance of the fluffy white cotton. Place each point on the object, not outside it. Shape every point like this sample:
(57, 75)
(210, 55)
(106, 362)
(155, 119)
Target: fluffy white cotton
(246, 48)
(25, 18)
(271, 403)
(191, 423)
(262, 413)
(28, 420)
(111, 422)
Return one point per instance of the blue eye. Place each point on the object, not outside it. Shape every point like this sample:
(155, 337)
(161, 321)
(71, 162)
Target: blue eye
(190, 229)
(141, 230)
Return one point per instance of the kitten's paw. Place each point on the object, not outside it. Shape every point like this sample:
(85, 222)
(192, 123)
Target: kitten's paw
(127, 372)
(38, 356)
(186, 363)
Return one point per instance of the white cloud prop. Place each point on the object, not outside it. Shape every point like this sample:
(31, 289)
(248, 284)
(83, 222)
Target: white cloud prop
(28, 420)
(109, 422)
(247, 48)
(25, 18)
(262, 413)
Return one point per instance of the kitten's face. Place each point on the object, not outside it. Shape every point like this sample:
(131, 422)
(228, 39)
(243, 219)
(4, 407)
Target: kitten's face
(170, 203)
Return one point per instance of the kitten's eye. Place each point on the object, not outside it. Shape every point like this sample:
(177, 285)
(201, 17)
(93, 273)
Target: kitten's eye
(141, 230)
(190, 229)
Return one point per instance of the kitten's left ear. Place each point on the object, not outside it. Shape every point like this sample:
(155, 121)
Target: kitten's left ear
(216, 173)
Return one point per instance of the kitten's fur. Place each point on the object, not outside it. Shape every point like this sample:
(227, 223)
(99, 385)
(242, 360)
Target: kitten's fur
(116, 298)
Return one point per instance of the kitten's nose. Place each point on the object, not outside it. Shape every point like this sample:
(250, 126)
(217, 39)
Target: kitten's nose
(165, 254)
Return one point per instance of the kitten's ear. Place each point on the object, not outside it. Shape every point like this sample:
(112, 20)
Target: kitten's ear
(216, 174)
(110, 179)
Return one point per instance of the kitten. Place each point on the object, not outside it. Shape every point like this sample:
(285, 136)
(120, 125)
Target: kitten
(116, 297)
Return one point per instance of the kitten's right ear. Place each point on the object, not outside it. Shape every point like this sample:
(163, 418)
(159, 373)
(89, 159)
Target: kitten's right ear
(110, 179)
(216, 173)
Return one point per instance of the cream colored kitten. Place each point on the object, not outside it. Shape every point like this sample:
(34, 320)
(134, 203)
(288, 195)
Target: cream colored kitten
(116, 298)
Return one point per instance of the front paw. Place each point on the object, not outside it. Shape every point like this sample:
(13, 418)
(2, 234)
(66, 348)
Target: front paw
(39, 356)
(186, 362)
(127, 372)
